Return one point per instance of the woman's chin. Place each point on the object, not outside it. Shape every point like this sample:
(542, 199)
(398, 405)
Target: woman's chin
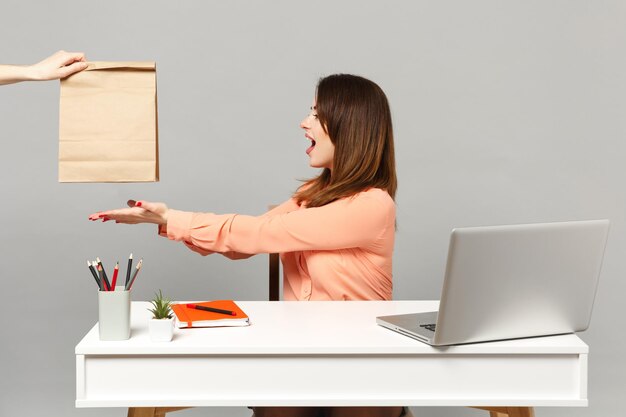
(313, 163)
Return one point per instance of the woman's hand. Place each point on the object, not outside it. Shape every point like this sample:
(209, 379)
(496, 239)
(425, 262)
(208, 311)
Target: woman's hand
(138, 212)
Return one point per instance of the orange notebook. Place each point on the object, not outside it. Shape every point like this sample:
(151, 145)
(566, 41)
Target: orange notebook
(191, 317)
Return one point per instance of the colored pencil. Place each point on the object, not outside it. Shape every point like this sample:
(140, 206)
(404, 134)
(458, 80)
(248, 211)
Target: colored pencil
(104, 274)
(115, 272)
(104, 283)
(95, 275)
(132, 280)
(128, 268)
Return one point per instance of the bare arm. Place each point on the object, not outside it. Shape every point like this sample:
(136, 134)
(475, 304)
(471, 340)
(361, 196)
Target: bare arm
(56, 66)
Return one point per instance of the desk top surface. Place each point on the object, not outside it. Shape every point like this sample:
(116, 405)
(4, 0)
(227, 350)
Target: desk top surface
(319, 327)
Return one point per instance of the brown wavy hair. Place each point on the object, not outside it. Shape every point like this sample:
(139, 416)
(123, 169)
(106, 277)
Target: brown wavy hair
(355, 114)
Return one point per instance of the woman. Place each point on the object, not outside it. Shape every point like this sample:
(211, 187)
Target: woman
(335, 235)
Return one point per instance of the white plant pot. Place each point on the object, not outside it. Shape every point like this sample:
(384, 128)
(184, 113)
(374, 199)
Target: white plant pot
(161, 330)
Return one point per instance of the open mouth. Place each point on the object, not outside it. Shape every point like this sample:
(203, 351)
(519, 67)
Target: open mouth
(310, 148)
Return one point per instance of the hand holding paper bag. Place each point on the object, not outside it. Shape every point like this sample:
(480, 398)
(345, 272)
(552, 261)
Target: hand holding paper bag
(58, 65)
(108, 124)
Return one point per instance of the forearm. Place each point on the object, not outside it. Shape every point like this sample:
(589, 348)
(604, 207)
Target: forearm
(343, 224)
(10, 74)
(59, 65)
(162, 231)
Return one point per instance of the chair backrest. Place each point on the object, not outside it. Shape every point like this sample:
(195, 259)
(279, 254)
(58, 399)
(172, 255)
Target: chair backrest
(274, 277)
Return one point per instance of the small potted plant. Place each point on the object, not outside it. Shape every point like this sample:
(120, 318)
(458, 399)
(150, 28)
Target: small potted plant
(161, 325)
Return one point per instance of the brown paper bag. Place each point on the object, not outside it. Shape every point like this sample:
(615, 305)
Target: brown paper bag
(108, 124)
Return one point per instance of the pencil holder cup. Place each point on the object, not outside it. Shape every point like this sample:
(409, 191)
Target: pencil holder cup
(114, 314)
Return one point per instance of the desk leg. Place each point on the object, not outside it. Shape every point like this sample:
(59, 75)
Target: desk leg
(509, 411)
(141, 412)
(152, 411)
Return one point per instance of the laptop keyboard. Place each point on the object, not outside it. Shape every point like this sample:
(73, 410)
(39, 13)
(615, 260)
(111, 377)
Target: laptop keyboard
(430, 327)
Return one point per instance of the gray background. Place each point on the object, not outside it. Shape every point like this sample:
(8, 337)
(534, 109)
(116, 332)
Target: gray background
(504, 112)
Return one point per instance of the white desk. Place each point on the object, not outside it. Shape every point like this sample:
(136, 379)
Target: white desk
(324, 353)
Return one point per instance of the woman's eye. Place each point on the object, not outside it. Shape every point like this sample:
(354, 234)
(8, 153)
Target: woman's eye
(315, 115)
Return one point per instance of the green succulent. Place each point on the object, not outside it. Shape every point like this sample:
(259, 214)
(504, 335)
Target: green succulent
(161, 307)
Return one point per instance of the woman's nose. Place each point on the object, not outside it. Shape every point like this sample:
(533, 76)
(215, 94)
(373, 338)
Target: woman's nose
(304, 124)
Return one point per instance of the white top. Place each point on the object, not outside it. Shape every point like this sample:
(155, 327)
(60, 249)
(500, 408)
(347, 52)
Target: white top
(314, 327)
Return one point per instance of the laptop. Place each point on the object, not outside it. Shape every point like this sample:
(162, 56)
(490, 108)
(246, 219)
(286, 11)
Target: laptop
(508, 282)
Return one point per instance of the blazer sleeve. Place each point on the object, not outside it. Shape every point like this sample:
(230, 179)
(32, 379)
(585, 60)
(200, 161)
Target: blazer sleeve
(285, 207)
(357, 221)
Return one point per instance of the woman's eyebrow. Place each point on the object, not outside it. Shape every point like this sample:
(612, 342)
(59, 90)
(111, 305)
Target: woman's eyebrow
(313, 108)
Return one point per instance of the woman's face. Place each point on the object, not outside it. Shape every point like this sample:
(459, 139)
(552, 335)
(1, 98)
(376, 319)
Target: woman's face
(322, 150)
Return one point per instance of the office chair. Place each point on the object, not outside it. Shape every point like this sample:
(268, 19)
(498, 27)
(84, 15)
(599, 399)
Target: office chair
(274, 273)
(274, 276)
